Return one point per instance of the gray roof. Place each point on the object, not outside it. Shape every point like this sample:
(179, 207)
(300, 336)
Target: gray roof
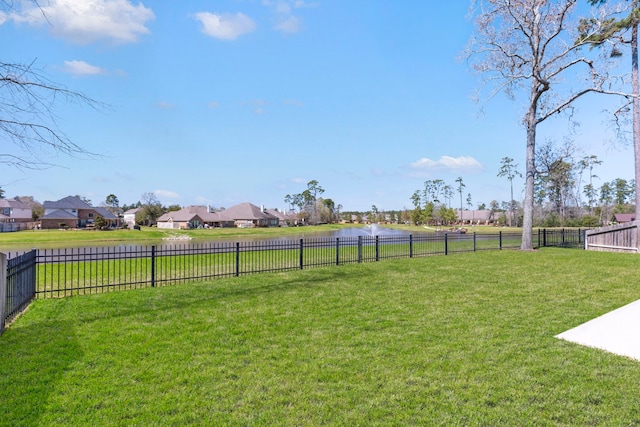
(12, 203)
(481, 215)
(105, 213)
(69, 202)
(245, 211)
(241, 212)
(60, 214)
(132, 211)
(191, 213)
(281, 215)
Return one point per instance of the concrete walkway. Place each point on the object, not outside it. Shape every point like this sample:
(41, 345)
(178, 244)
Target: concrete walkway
(617, 332)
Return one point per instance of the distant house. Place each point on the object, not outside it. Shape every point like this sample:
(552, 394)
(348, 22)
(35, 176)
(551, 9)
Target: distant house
(14, 211)
(284, 218)
(247, 215)
(621, 218)
(129, 217)
(72, 212)
(15, 215)
(243, 215)
(193, 217)
(477, 217)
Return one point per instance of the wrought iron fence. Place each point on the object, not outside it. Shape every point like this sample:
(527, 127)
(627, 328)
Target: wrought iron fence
(567, 238)
(79, 271)
(20, 284)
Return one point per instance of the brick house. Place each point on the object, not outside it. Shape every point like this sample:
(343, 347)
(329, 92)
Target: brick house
(243, 215)
(72, 212)
(284, 218)
(246, 215)
(477, 217)
(193, 217)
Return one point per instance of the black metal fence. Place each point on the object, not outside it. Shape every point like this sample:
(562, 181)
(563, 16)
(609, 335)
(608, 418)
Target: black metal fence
(21, 283)
(567, 238)
(65, 272)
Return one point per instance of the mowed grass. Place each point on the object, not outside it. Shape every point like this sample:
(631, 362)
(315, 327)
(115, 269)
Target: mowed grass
(151, 235)
(46, 239)
(466, 339)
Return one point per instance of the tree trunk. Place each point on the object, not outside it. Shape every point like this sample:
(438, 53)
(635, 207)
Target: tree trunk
(527, 222)
(636, 110)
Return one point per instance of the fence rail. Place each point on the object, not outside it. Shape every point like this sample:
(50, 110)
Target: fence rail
(20, 284)
(65, 272)
(48, 273)
(616, 238)
(568, 238)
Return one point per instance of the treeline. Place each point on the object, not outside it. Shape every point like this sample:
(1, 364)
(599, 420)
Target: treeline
(567, 193)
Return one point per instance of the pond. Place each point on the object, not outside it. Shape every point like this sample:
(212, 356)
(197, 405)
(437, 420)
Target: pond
(367, 230)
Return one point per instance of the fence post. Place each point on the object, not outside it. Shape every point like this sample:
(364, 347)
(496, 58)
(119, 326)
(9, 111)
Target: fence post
(410, 245)
(3, 290)
(500, 232)
(153, 266)
(337, 251)
(446, 243)
(301, 255)
(359, 249)
(474, 241)
(377, 249)
(544, 237)
(237, 259)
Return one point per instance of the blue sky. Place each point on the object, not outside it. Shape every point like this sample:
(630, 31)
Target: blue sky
(224, 102)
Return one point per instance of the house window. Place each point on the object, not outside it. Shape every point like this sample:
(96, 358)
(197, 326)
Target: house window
(90, 215)
(6, 211)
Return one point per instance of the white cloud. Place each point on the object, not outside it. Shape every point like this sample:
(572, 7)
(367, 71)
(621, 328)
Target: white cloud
(257, 105)
(462, 163)
(289, 24)
(225, 26)
(300, 3)
(166, 194)
(285, 21)
(87, 21)
(81, 68)
(281, 6)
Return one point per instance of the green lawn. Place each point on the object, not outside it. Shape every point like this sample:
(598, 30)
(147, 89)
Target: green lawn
(466, 339)
(150, 235)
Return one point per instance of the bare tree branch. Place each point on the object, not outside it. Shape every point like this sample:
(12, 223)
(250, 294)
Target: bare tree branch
(28, 118)
(530, 49)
